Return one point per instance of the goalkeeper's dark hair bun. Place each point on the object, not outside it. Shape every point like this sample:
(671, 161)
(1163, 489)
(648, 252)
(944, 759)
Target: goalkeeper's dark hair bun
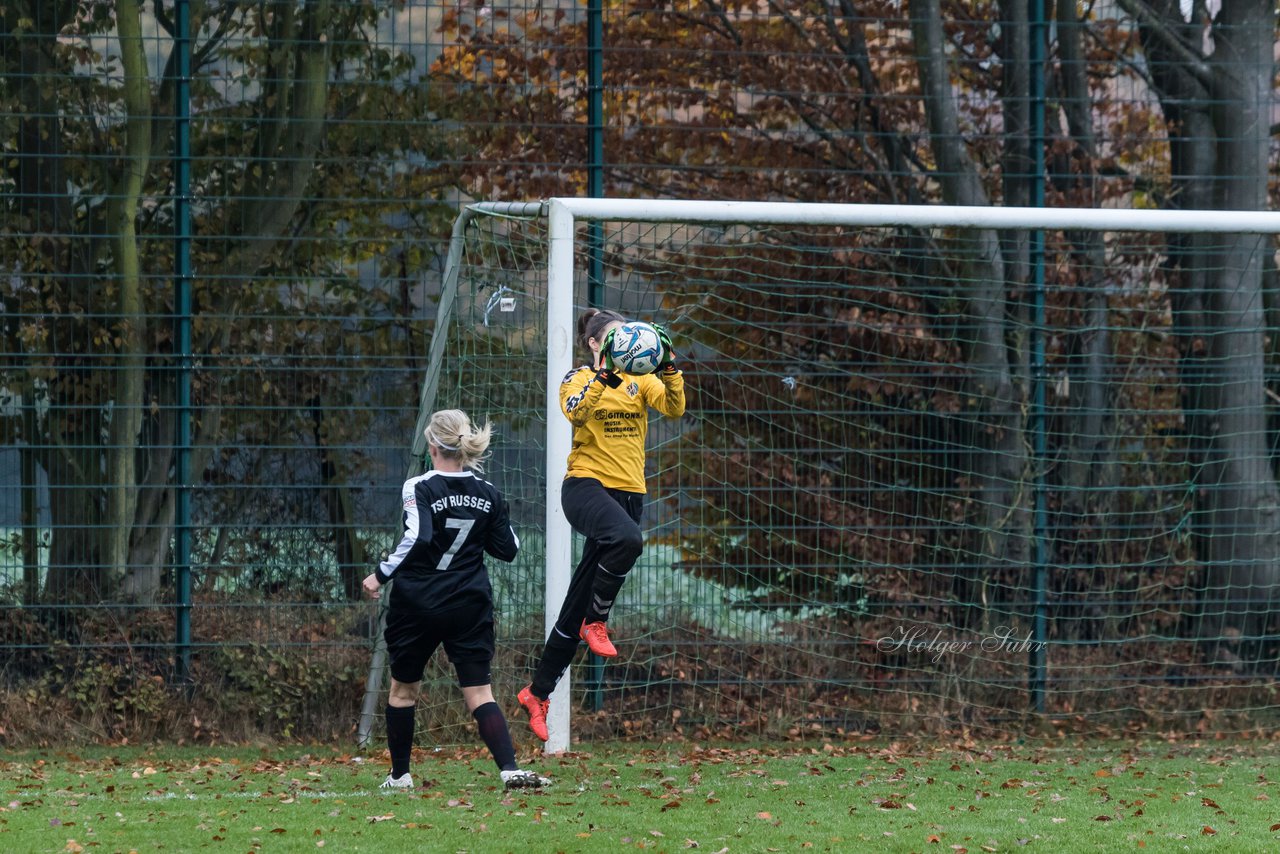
(592, 322)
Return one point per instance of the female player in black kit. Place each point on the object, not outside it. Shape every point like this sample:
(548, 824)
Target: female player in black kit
(603, 494)
(442, 595)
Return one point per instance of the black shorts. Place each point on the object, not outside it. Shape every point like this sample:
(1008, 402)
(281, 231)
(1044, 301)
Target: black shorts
(466, 632)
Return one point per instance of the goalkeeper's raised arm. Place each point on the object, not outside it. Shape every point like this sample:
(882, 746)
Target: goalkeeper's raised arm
(603, 493)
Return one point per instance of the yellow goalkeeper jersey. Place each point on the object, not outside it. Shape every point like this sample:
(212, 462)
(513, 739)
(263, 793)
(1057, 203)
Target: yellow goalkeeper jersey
(610, 424)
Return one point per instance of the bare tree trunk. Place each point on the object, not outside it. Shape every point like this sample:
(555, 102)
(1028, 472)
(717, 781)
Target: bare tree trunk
(152, 540)
(1015, 105)
(55, 438)
(71, 460)
(1087, 461)
(126, 409)
(294, 139)
(348, 547)
(1000, 502)
(128, 533)
(1242, 501)
(288, 145)
(30, 505)
(1217, 105)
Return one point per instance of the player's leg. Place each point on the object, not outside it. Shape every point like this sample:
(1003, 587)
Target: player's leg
(409, 645)
(560, 648)
(490, 722)
(584, 499)
(471, 647)
(610, 518)
(492, 725)
(402, 705)
(562, 640)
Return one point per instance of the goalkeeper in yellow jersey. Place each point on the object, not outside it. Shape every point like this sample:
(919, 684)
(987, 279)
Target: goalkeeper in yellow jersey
(602, 495)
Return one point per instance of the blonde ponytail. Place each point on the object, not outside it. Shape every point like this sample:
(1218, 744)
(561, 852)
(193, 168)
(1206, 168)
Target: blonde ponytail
(451, 431)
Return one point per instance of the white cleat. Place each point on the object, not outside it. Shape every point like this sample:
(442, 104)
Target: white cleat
(519, 779)
(390, 784)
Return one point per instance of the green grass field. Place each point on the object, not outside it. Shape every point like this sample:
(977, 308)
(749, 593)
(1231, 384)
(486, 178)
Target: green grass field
(1205, 796)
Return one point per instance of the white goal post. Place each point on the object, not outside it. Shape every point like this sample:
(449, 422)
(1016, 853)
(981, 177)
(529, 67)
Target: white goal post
(563, 215)
(562, 255)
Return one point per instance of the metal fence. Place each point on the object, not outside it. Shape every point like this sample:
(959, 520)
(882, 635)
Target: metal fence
(225, 228)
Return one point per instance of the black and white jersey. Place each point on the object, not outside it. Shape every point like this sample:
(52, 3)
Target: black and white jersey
(451, 520)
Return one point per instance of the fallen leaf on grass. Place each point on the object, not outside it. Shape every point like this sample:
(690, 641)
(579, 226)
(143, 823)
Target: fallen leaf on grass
(373, 819)
(1207, 831)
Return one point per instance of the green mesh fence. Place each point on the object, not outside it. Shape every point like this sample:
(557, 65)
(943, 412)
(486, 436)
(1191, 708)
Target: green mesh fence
(229, 221)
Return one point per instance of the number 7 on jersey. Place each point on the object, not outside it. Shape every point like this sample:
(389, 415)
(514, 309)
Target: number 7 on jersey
(463, 528)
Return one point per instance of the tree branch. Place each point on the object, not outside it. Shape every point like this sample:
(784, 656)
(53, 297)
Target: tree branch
(1160, 29)
(162, 17)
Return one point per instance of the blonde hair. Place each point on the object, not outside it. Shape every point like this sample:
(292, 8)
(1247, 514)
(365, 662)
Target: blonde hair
(451, 431)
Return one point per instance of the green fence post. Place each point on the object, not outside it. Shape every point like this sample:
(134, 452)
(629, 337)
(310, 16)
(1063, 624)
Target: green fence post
(595, 230)
(182, 335)
(1039, 441)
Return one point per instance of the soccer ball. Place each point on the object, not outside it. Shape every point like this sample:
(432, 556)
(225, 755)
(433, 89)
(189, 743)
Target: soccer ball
(636, 348)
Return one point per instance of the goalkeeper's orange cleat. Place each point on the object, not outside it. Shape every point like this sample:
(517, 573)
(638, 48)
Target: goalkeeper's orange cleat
(597, 637)
(537, 709)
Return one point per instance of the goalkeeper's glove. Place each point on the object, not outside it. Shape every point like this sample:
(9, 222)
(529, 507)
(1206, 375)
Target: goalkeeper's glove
(606, 350)
(607, 373)
(667, 363)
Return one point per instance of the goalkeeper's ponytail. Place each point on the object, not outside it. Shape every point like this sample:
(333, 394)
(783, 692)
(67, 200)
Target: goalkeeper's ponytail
(451, 431)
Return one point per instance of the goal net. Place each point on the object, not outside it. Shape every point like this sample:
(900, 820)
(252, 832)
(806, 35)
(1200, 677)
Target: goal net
(942, 468)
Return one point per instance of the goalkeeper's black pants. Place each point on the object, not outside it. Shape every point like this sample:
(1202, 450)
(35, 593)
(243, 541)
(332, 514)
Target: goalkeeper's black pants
(610, 521)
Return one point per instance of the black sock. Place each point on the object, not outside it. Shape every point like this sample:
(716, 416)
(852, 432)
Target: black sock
(400, 738)
(556, 656)
(604, 589)
(497, 737)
